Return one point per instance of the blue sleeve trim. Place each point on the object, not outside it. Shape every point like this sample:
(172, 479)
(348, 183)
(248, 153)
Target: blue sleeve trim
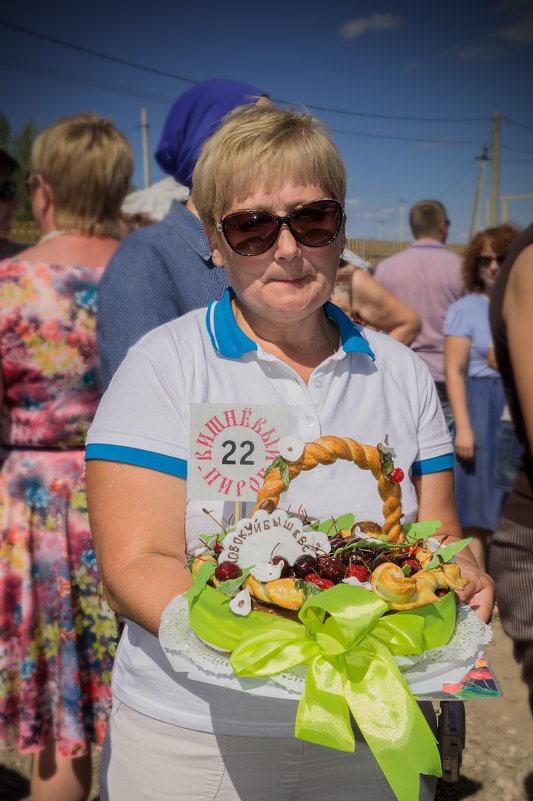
(138, 457)
(432, 465)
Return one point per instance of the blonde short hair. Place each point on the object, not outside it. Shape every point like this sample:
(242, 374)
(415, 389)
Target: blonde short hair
(260, 146)
(88, 165)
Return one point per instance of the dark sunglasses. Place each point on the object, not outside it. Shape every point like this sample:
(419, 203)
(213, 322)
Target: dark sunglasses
(486, 261)
(8, 190)
(253, 231)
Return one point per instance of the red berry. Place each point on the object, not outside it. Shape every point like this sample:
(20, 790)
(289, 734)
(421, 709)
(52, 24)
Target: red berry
(359, 571)
(323, 583)
(331, 568)
(227, 570)
(396, 475)
(304, 564)
(285, 566)
(337, 541)
(413, 564)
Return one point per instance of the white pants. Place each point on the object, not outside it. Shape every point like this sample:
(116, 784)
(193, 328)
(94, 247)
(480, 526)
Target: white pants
(144, 759)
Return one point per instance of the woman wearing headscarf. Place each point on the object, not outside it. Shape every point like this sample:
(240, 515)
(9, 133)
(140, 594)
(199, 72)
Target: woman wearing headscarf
(162, 271)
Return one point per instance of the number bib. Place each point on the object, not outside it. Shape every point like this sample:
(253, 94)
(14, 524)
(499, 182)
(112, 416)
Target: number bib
(230, 448)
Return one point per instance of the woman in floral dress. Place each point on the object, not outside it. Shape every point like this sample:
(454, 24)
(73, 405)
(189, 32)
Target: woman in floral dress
(57, 634)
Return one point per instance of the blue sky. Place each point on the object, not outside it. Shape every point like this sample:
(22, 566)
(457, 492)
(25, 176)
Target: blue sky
(418, 83)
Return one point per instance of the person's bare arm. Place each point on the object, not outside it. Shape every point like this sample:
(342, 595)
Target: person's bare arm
(491, 358)
(436, 501)
(518, 316)
(137, 519)
(456, 352)
(382, 310)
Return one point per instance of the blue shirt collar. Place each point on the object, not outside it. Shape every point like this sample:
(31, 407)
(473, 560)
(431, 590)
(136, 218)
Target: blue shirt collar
(230, 341)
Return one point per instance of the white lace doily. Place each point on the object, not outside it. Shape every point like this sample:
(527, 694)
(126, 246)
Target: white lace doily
(425, 673)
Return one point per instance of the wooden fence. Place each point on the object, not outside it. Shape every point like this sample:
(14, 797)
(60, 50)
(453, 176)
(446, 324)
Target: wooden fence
(372, 250)
(375, 250)
(25, 231)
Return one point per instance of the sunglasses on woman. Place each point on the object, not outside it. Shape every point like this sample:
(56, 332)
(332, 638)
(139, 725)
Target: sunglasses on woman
(253, 231)
(486, 261)
(8, 190)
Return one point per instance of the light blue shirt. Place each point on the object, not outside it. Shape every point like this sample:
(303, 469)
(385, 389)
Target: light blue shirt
(469, 317)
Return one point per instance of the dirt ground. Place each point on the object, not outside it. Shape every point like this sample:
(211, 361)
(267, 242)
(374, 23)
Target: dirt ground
(497, 760)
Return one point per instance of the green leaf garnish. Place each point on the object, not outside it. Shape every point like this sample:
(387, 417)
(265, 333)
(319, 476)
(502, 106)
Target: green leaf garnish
(447, 552)
(214, 538)
(420, 531)
(334, 524)
(205, 572)
(283, 466)
(307, 587)
(232, 585)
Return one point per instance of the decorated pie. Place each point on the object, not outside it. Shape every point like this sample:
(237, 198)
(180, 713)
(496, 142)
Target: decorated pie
(274, 562)
(348, 597)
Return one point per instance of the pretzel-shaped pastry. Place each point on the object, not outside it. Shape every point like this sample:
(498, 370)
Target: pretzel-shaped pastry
(410, 592)
(326, 450)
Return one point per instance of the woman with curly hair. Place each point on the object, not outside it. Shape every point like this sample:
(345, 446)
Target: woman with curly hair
(475, 390)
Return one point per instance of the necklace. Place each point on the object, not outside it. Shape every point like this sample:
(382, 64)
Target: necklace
(55, 233)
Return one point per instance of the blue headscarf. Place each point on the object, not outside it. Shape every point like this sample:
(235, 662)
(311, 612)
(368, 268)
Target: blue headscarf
(195, 116)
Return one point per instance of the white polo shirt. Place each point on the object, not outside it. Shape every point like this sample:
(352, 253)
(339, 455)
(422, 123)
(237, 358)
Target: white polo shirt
(371, 387)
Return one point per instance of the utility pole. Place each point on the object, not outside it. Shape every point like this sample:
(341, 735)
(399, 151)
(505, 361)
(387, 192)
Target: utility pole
(493, 206)
(476, 211)
(146, 156)
(402, 203)
(380, 229)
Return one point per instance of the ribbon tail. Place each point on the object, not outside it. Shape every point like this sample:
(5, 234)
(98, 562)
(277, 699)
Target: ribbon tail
(390, 720)
(323, 716)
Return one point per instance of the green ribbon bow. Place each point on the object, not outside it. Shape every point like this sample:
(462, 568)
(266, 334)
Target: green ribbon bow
(348, 642)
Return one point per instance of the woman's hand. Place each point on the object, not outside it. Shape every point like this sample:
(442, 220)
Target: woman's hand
(479, 593)
(465, 442)
(436, 501)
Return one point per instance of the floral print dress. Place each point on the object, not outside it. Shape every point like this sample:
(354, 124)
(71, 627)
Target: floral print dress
(57, 634)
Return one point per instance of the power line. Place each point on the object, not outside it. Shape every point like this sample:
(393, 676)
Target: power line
(392, 116)
(96, 53)
(167, 74)
(518, 125)
(91, 82)
(410, 138)
(463, 176)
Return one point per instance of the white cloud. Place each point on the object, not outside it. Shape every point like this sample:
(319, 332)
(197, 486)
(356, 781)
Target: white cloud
(517, 35)
(481, 52)
(360, 211)
(352, 203)
(377, 22)
(520, 34)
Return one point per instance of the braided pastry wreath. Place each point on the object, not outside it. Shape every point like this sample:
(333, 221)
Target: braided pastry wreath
(402, 574)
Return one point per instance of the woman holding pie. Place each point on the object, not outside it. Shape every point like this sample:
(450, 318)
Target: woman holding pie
(269, 188)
